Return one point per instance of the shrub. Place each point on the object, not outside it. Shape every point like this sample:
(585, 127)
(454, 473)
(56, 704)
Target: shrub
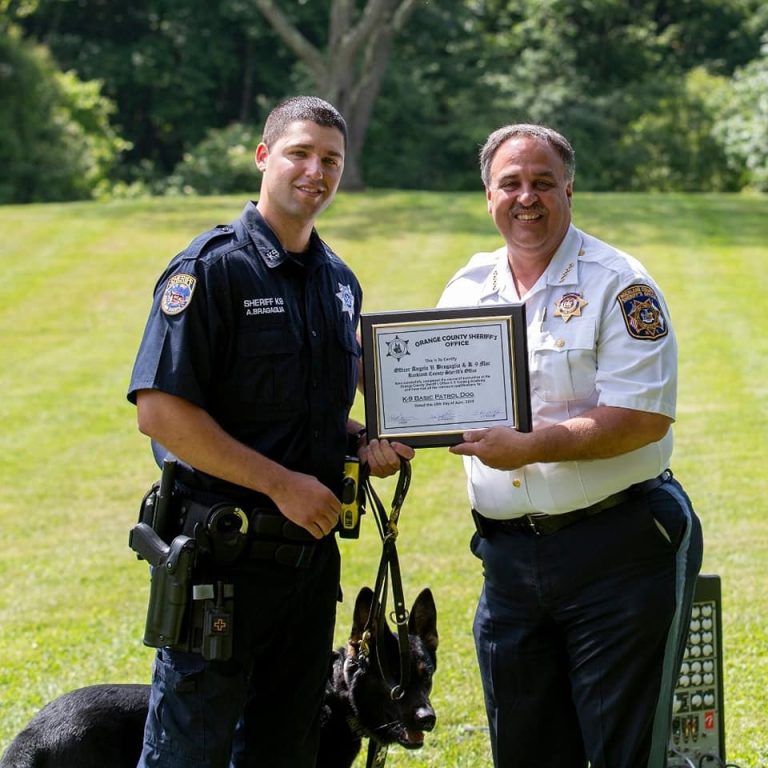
(56, 142)
(222, 163)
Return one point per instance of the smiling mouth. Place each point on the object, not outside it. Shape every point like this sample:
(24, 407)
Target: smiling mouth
(527, 215)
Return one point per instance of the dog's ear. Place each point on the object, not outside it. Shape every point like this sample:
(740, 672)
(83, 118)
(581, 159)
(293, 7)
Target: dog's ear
(360, 616)
(423, 620)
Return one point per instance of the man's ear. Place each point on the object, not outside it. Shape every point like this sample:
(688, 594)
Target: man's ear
(262, 153)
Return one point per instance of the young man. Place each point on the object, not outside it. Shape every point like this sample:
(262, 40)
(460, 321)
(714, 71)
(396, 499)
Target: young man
(590, 548)
(246, 374)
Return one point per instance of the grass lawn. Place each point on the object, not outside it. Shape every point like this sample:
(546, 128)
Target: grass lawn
(76, 287)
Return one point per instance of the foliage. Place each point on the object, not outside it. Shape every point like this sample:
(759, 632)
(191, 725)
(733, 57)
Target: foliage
(222, 163)
(628, 83)
(73, 467)
(673, 146)
(174, 69)
(743, 122)
(56, 141)
(431, 118)
(465, 68)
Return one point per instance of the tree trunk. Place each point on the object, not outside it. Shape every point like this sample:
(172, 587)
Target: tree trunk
(349, 72)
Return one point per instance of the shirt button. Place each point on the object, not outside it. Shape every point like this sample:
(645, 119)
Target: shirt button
(314, 333)
(516, 483)
(560, 343)
(316, 434)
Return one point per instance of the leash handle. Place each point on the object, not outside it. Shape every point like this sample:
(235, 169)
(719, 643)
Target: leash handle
(389, 567)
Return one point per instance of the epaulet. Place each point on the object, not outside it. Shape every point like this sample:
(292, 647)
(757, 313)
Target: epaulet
(196, 247)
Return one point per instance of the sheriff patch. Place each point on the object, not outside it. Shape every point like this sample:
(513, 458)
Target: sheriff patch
(178, 293)
(642, 313)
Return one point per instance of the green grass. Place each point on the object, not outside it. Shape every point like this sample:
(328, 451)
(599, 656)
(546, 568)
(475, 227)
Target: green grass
(75, 290)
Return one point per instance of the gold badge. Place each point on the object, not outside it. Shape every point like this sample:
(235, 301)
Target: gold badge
(570, 305)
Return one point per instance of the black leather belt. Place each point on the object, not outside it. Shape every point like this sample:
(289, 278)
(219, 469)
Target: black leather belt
(542, 524)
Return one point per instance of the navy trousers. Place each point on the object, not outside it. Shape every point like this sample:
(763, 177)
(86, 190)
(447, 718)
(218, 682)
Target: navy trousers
(580, 634)
(262, 707)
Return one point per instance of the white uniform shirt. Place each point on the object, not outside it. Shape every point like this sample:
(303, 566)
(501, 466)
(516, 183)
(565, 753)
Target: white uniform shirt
(598, 334)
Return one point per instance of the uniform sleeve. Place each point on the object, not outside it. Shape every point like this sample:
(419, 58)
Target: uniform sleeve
(177, 350)
(637, 350)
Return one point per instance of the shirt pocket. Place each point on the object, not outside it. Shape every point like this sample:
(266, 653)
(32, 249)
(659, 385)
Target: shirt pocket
(564, 361)
(348, 357)
(269, 367)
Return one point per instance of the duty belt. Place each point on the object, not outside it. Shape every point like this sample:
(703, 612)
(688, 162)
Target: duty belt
(258, 534)
(542, 524)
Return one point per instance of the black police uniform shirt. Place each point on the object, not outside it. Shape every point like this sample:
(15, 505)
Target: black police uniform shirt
(262, 340)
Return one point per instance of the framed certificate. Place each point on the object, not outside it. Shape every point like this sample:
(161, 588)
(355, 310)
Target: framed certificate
(430, 375)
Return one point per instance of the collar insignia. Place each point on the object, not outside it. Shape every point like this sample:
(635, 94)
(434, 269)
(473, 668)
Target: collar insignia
(567, 271)
(272, 257)
(178, 293)
(569, 305)
(347, 299)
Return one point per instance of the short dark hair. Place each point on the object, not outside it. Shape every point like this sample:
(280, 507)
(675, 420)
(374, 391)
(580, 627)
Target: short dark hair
(296, 108)
(556, 140)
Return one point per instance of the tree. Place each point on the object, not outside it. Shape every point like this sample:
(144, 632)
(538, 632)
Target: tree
(175, 69)
(348, 73)
(743, 122)
(56, 142)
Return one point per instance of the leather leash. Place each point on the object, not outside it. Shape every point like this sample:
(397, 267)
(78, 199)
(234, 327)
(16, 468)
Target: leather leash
(389, 570)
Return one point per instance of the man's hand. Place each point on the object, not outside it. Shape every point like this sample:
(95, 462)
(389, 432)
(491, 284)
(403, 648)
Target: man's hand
(383, 457)
(498, 447)
(304, 500)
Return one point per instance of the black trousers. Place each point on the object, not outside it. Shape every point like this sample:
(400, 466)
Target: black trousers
(262, 707)
(580, 634)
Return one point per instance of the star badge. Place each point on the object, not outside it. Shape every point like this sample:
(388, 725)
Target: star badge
(347, 299)
(570, 305)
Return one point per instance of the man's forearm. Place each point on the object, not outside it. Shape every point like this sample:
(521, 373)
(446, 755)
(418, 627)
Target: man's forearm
(601, 433)
(196, 438)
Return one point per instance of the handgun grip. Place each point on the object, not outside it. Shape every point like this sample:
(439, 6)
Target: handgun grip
(143, 540)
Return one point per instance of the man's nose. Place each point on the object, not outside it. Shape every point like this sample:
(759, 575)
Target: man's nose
(314, 167)
(527, 195)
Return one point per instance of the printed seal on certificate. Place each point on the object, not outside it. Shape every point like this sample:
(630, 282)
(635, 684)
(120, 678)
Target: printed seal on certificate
(430, 375)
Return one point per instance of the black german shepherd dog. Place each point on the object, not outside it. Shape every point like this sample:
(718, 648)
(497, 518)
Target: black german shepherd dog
(102, 726)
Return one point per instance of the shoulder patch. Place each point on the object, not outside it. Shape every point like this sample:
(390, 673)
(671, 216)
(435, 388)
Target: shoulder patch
(178, 293)
(642, 313)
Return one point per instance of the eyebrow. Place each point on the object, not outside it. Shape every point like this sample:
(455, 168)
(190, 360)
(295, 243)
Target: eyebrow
(537, 175)
(300, 145)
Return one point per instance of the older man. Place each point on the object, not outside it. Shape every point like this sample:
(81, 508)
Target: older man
(590, 547)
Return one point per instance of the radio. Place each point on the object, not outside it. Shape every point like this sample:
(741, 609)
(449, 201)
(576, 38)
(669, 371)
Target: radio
(698, 718)
(351, 509)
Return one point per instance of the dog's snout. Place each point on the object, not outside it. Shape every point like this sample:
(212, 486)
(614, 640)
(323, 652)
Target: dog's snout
(425, 718)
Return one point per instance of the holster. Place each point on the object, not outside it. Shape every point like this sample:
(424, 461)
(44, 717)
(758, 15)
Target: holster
(186, 611)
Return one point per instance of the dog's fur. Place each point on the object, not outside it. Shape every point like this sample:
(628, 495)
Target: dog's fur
(358, 700)
(102, 726)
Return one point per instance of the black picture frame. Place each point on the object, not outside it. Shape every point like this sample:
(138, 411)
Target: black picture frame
(423, 401)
